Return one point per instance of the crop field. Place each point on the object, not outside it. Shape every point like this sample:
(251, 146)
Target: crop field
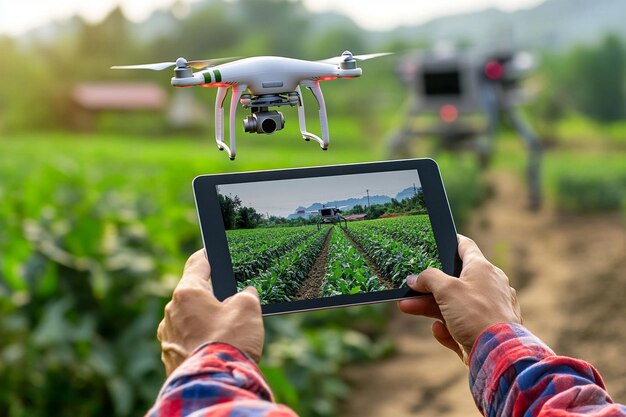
(94, 231)
(292, 263)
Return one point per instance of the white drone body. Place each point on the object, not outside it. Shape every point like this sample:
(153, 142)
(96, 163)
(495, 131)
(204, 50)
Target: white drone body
(259, 83)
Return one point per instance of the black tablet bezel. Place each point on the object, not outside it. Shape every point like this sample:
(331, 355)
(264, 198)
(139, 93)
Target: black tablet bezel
(216, 246)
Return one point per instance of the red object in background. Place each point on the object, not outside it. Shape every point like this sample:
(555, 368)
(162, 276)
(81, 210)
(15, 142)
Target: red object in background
(119, 96)
(494, 70)
(448, 113)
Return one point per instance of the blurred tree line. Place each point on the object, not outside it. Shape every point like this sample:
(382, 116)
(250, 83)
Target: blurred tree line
(42, 70)
(39, 72)
(589, 79)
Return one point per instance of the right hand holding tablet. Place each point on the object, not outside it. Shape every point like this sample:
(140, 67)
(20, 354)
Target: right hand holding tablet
(464, 306)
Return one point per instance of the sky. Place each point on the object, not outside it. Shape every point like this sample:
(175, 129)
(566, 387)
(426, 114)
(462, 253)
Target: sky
(281, 198)
(17, 17)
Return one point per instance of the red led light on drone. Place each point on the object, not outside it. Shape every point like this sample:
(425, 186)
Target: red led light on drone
(328, 78)
(448, 113)
(494, 70)
(209, 85)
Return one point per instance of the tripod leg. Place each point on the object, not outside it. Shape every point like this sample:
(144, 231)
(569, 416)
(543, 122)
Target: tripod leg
(534, 156)
(489, 102)
(399, 141)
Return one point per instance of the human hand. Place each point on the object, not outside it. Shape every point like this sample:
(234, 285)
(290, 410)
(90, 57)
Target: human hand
(194, 316)
(464, 306)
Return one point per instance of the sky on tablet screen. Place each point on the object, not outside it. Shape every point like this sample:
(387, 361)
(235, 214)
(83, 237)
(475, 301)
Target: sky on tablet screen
(282, 197)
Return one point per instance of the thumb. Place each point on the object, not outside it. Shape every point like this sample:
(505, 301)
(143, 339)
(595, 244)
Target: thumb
(246, 299)
(197, 272)
(430, 280)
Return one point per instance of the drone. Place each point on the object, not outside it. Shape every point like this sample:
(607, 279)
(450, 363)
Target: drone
(259, 83)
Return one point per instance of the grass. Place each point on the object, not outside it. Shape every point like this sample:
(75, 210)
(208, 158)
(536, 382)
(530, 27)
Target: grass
(577, 128)
(94, 230)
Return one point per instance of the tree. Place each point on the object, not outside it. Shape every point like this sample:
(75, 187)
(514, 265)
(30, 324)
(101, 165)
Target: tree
(248, 218)
(101, 44)
(282, 24)
(229, 207)
(596, 79)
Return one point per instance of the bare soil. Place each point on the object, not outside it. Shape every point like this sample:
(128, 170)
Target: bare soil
(570, 272)
(312, 287)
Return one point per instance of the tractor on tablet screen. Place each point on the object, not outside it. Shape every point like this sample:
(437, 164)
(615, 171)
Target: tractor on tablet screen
(331, 215)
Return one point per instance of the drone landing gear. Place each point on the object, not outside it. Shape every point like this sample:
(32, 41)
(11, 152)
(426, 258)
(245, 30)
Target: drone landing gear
(314, 87)
(219, 117)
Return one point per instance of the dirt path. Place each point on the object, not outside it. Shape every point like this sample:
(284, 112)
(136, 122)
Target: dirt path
(570, 277)
(312, 286)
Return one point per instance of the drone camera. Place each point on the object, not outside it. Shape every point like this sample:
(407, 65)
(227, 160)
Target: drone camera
(264, 122)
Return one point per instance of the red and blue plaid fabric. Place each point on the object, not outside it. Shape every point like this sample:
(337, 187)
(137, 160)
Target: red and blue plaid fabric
(217, 380)
(512, 373)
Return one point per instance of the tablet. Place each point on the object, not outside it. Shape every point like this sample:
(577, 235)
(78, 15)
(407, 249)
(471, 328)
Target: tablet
(321, 237)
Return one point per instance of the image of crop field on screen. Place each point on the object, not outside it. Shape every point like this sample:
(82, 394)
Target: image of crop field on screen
(309, 238)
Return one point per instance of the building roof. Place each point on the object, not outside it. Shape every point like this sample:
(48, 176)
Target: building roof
(119, 96)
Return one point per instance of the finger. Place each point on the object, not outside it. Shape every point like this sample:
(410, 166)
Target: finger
(443, 336)
(430, 280)
(468, 248)
(161, 331)
(246, 300)
(172, 358)
(422, 306)
(197, 272)
(252, 290)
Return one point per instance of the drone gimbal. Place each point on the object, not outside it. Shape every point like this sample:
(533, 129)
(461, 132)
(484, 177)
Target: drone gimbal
(263, 121)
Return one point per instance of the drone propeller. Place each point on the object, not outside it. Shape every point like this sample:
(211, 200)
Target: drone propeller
(348, 57)
(180, 63)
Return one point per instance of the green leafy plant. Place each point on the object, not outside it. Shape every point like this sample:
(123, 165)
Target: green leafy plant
(347, 271)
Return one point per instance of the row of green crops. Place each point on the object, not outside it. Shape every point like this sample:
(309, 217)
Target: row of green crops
(415, 231)
(281, 281)
(256, 250)
(347, 271)
(393, 256)
(588, 183)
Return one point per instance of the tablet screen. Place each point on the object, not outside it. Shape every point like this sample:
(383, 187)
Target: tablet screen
(316, 237)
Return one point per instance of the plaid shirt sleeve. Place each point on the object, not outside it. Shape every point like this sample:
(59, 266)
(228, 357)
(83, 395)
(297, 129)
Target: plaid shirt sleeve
(513, 373)
(217, 380)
